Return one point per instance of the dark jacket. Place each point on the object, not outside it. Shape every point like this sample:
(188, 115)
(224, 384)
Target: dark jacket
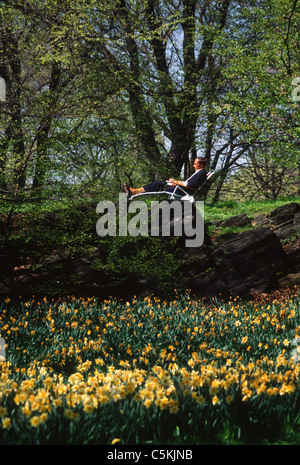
(195, 181)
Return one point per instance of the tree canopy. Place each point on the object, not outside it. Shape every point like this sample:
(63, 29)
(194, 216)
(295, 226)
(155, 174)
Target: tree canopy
(101, 92)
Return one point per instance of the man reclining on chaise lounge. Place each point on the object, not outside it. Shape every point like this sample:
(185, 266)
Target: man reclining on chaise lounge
(190, 185)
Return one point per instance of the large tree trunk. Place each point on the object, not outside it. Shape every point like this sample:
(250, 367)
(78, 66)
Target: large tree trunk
(182, 111)
(42, 141)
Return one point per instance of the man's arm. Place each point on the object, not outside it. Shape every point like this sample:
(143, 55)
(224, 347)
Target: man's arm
(176, 183)
(193, 183)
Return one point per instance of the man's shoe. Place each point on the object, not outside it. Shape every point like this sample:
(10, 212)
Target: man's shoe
(127, 190)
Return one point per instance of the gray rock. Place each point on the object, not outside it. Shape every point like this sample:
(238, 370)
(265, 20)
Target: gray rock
(261, 220)
(284, 215)
(238, 221)
(256, 256)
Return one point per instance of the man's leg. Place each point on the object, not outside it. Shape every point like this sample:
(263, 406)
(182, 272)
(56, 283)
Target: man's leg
(152, 187)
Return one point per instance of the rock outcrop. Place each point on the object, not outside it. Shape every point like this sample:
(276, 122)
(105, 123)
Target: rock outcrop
(284, 220)
(237, 264)
(240, 265)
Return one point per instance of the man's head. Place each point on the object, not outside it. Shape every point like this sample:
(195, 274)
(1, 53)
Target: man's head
(199, 163)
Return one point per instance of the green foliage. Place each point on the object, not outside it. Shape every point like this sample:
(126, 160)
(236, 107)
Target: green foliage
(227, 208)
(149, 260)
(69, 228)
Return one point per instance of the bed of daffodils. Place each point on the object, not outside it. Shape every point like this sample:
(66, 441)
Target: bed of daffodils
(81, 371)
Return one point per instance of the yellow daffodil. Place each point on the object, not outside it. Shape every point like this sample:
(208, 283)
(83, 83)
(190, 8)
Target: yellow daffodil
(6, 423)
